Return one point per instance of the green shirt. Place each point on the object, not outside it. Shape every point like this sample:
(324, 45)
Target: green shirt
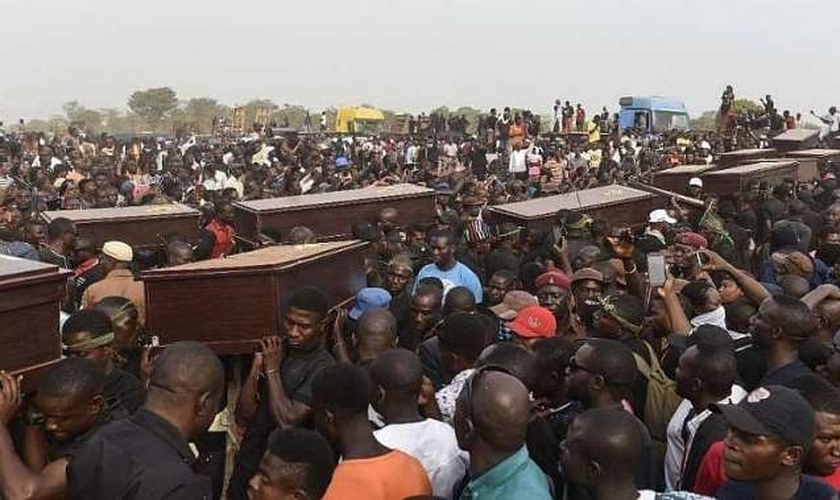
(517, 476)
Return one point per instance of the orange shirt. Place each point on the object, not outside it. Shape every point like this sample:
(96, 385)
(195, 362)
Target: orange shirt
(224, 239)
(517, 134)
(386, 477)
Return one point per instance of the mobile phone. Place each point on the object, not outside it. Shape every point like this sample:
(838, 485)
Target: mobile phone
(656, 269)
(702, 259)
(557, 236)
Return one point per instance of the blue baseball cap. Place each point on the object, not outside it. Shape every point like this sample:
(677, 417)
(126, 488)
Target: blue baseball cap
(341, 162)
(370, 298)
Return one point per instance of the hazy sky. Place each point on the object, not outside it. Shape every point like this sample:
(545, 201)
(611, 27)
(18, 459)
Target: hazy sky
(415, 55)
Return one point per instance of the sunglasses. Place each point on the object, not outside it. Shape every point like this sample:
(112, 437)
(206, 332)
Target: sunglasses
(575, 366)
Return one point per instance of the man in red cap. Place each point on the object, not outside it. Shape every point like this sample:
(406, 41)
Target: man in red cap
(532, 324)
(682, 255)
(553, 293)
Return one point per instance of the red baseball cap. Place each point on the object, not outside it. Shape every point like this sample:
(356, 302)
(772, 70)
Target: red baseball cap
(556, 278)
(534, 322)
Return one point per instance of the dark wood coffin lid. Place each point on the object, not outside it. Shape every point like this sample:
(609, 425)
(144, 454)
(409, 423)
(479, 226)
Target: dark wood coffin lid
(795, 135)
(813, 153)
(336, 198)
(586, 199)
(144, 212)
(276, 258)
(687, 169)
(760, 167)
(747, 153)
(15, 272)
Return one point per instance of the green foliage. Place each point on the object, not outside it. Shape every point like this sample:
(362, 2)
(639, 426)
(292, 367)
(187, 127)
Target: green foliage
(706, 121)
(709, 119)
(200, 111)
(87, 119)
(153, 105)
(746, 105)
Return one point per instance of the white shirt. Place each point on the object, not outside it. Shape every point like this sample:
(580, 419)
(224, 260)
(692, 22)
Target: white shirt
(434, 445)
(517, 161)
(233, 182)
(218, 181)
(450, 150)
(447, 396)
(677, 449)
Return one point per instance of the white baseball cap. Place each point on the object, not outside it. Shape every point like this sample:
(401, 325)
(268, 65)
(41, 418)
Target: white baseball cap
(661, 215)
(696, 182)
(117, 250)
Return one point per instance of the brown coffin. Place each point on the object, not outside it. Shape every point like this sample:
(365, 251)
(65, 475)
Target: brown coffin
(798, 138)
(143, 226)
(30, 299)
(736, 179)
(620, 205)
(811, 161)
(676, 179)
(743, 156)
(331, 215)
(230, 303)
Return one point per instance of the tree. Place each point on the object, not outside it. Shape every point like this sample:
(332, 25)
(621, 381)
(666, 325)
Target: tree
(706, 121)
(200, 111)
(256, 108)
(745, 105)
(153, 105)
(79, 115)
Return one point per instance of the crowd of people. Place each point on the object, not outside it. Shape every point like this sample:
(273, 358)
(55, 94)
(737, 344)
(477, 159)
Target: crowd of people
(694, 355)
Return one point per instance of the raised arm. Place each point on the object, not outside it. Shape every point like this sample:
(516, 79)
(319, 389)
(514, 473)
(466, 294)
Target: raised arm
(17, 481)
(754, 290)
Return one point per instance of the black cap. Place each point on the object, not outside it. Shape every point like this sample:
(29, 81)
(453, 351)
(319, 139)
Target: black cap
(773, 410)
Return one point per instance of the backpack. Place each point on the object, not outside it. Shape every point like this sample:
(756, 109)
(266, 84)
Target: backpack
(661, 400)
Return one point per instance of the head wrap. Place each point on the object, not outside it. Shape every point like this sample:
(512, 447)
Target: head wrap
(695, 240)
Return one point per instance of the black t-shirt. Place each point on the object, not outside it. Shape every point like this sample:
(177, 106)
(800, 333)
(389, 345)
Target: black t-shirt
(143, 456)
(123, 391)
(787, 374)
(810, 488)
(69, 449)
(296, 373)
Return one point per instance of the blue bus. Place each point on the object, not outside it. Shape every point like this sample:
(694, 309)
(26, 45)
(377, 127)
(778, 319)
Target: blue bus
(652, 114)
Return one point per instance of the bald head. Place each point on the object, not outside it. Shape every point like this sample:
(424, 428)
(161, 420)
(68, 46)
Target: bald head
(186, 368)
(178, 252)
(610, 437)
(375, 332)
(499, 410)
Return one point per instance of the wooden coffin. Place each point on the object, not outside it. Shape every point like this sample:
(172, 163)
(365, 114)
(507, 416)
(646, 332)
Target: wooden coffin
(621, 205)
(331, 215)
(676, 179)
(141, 227)
(30, 300)
(813, 161)
(798, 138)
(743, 156)
(231, 303)
(736, 179)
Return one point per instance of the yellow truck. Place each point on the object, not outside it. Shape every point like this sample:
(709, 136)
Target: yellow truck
(358, 120)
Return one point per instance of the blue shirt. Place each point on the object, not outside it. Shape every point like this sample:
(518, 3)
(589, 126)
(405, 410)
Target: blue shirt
(459, 275)
(514, 477)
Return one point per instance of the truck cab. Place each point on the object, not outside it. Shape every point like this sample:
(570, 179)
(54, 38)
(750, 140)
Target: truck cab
(359, 120)
(652, 114)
